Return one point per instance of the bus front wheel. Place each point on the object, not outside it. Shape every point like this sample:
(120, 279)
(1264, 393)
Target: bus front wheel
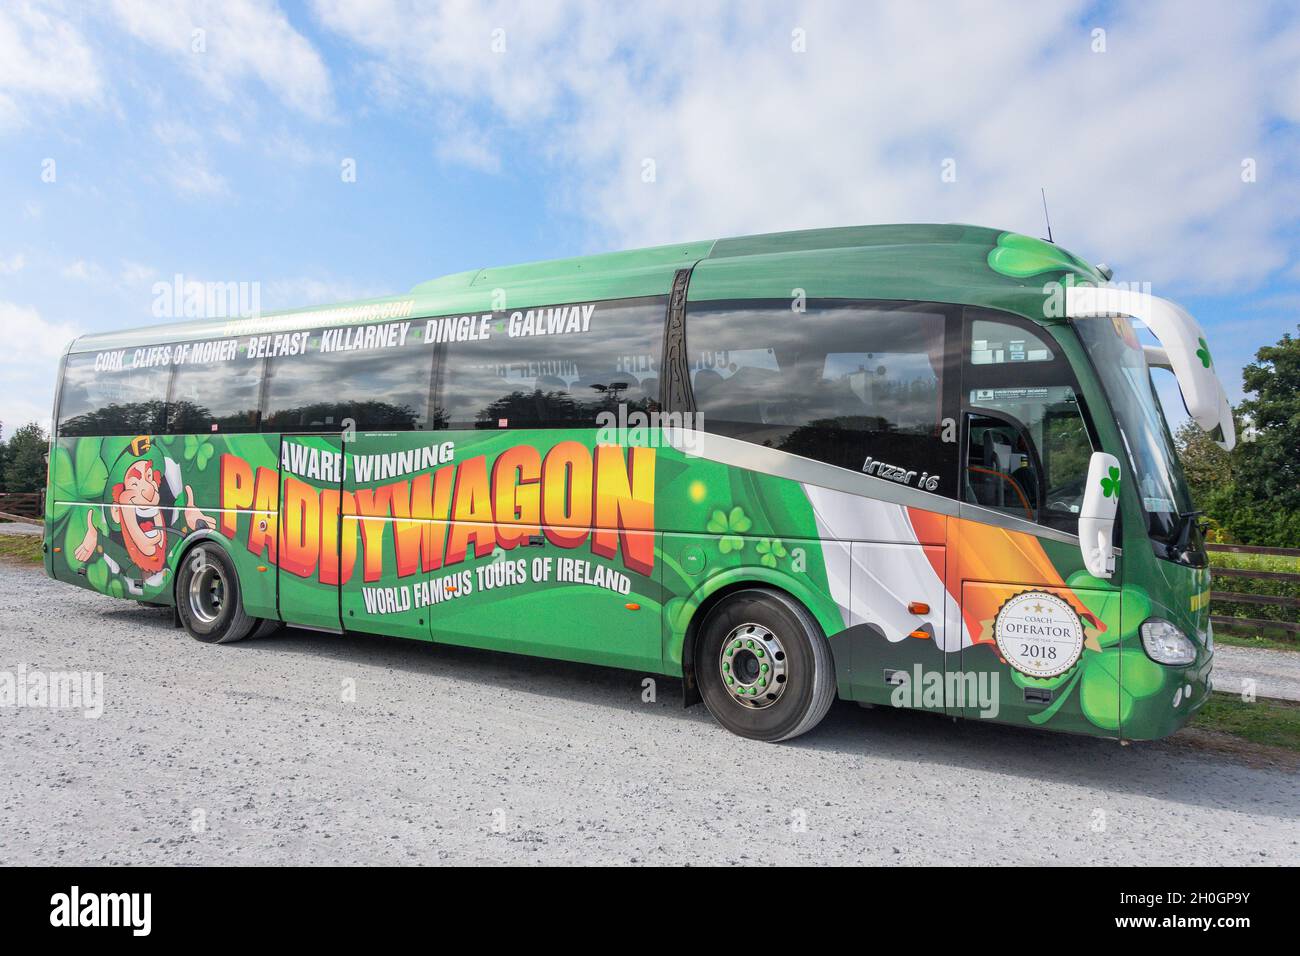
(763, 666)
(208, 599)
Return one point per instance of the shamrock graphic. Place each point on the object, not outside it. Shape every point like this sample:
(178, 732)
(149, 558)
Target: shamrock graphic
(771, 549)
(1203, 353)
(77, 475)
(1110, 484)
(1104, 699)
(198, 448)
(731, 526)
(1019, 256)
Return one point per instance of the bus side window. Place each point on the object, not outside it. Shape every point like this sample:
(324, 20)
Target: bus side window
(116, 399)
(323, 390)
(556, 366)
(220, 393)
(1027, 441)
(1001, 471)
(856, 385)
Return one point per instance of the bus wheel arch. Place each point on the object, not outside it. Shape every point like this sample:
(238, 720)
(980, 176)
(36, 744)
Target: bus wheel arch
(208, 592)
(690, 689)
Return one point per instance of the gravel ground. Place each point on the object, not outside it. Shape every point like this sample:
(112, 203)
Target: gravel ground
(1275, 673)
(251, 754)
(18, 527)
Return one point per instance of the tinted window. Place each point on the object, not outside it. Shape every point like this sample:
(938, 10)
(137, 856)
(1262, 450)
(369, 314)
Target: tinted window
(1027, 437)
(857, 386)
(378, 376)
(119, 392)
(215, 388)
(555, 367)
(997, 343)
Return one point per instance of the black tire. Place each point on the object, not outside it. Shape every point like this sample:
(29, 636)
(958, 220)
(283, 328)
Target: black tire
(768, 625)
(266, 627)
(208, 599)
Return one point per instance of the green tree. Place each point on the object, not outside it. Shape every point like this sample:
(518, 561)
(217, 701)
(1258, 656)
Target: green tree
(24, 468)
(1207, 466)
(1265, 509)
(1209, 472)
(3, 449)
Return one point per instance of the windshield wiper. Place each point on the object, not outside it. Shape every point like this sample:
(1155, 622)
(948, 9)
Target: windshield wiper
(1182, 545)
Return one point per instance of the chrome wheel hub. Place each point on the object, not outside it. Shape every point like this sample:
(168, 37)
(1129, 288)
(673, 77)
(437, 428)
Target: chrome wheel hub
(752, 666)
(207, 592)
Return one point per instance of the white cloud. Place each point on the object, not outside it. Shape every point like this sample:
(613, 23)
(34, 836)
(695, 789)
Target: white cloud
(29, 364)
(129, 277)
(1139, 147)
(472, 49)
(13, 265)
(83, 271)
(225, 43)
(174, 133)
(30, 338)
(192, 176)
(295, 150)
(186, 165)
(135, 273)
(44, 59)
(460, 143)
(17, 411)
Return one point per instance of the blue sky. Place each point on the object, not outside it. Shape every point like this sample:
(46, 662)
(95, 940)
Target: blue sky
(208, 139)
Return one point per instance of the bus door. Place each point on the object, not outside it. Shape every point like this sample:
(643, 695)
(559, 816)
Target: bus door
(311, 468)
(1028, 606)
(396, 492)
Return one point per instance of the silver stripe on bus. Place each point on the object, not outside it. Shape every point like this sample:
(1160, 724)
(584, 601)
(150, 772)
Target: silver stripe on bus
(783, 464)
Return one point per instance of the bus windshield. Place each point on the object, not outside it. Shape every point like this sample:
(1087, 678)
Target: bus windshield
(1117, 355)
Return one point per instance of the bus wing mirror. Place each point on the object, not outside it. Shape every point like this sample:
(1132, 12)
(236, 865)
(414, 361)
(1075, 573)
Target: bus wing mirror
(1097, 515)
(1183, 350)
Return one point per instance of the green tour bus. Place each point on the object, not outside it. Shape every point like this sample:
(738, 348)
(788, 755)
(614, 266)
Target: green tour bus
(910, 465)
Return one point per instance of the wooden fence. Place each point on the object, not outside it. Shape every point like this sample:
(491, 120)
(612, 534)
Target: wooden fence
(1271, 600)
(22, 506)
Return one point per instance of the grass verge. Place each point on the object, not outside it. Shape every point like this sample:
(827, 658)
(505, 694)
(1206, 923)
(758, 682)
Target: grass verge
(1263, 641)
(23, 548)
(1265, 723)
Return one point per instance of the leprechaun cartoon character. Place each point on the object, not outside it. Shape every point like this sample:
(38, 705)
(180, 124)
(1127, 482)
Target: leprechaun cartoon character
(145, 505)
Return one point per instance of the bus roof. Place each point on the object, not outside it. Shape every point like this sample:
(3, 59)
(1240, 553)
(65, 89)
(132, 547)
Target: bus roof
(956, 263)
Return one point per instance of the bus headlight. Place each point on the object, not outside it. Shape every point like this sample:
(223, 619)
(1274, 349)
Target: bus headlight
(1166, 644)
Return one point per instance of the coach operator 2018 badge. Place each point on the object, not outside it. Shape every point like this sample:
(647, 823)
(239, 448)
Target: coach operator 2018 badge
(1039, 634)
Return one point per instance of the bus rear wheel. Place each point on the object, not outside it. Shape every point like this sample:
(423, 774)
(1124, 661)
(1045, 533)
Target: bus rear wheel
(208, 599)
(763, 666)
